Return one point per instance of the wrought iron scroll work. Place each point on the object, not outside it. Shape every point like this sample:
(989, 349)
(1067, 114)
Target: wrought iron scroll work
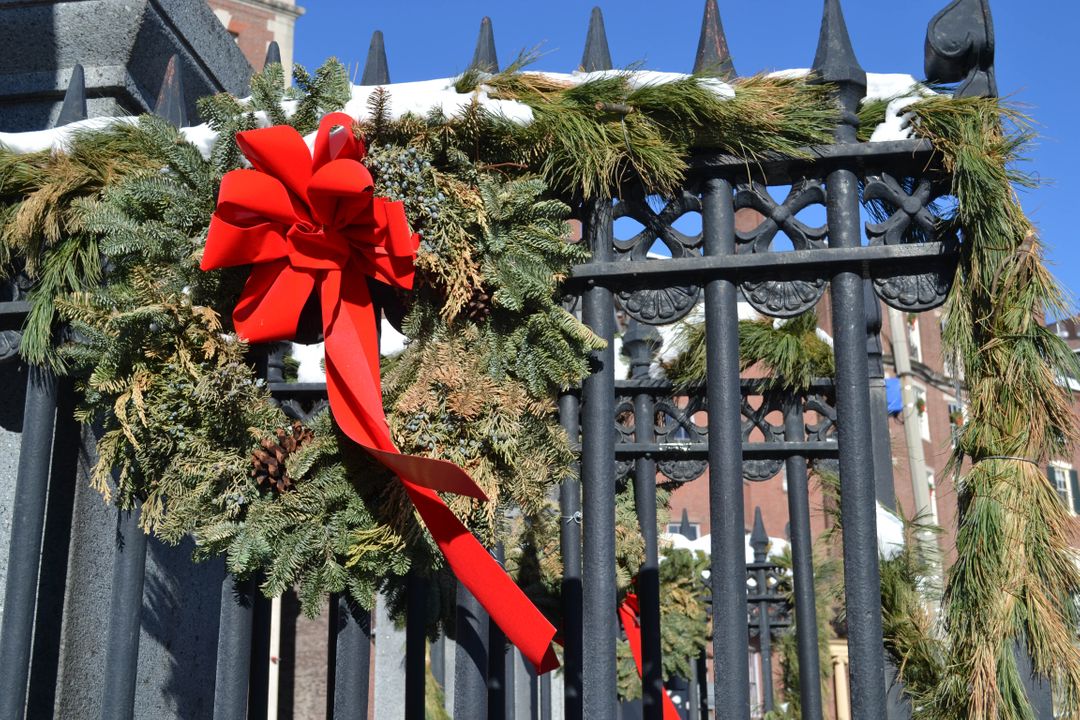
(674, 424)
(791, 296)
(909, 205)
(759, 469)
(657, 305)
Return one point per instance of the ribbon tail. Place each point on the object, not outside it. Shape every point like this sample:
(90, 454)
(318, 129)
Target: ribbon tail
(474, 568)
(357, 407)
(628, 616)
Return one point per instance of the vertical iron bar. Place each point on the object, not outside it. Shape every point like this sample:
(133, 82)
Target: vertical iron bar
(731, 671)
(24, 545)
(125, 616)
(500, 687)
(438, 661)
(802, 565)
(879, 403)
(545, 696)
(55, 547)
(471, 661)
(259, 677)
(858, 497)
(639, 343)
(415, 647)
(570, 545)
(234, 648)
(350, 630)
(765, 643)
(510, 701)
(702, 671)
(598, 482)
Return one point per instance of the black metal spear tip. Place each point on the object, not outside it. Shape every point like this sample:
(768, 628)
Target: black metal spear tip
(684, 525)
(74, 107)
(835, 61)
(273, 55)
(597, 56)
(759, 539)
(170, 99)
(484, 58)
(376, 70)
(960, 48)
(713, 57)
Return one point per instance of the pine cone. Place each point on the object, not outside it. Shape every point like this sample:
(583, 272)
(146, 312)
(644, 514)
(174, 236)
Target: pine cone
(268, 462)
(479, 307)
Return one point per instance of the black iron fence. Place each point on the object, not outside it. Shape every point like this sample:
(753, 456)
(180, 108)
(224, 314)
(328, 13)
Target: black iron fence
(660, 432)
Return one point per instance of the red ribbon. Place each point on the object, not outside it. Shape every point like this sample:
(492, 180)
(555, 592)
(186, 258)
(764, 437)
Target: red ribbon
(309, 222)
(630, 616)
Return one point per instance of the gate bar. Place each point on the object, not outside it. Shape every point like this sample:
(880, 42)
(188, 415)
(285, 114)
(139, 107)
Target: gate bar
(350, 643)
(639, 343)
(471, 658)
(802, 565)
(835, 63)
(570, 545)
(234, 648)
(24, 545)
(731, 673)
(415, 648)
(125, 618)
(598, 482)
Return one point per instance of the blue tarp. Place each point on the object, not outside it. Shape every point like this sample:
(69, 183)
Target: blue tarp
(893, 397)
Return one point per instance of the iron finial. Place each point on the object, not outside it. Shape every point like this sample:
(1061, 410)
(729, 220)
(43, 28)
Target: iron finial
(484, 58)
(960, 48)
(376, 70)
(640, 343)
(74, 107)
(835, 61)
(759, 539)
(273, 55)
(684, 525)
(713, 56)
(597, 56)
(170, 99)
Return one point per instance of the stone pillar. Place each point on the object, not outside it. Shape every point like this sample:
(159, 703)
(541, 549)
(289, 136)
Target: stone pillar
(124, 56)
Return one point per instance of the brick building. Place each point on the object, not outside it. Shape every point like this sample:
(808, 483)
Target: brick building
(255, 23)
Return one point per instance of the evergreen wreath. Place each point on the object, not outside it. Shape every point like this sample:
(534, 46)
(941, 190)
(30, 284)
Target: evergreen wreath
(110, 231)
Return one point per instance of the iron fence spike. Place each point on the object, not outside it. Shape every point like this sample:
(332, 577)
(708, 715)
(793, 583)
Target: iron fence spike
(273, 54)
(835, 60)
(485, 58)
(74, 107)
(684, 524)
(597, 56)
(713, 56)
(376, 69)
(170, 100)
(759, 539)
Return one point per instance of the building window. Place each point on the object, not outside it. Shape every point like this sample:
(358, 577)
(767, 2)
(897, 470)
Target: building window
(1064, 480)
(914, 339)
(921, 411)
(933, 496)
(693, 532)
(957, 418)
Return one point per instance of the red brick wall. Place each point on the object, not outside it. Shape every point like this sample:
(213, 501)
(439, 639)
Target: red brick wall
(251, 28)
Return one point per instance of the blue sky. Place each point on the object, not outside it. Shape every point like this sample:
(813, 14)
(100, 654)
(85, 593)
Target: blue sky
(428, 39)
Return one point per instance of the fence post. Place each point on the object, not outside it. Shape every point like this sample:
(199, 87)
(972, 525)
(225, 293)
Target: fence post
(836, 63)
(731, 673)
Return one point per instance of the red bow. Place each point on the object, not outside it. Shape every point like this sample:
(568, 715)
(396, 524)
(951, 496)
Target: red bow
(310, 222)
(630, 616)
